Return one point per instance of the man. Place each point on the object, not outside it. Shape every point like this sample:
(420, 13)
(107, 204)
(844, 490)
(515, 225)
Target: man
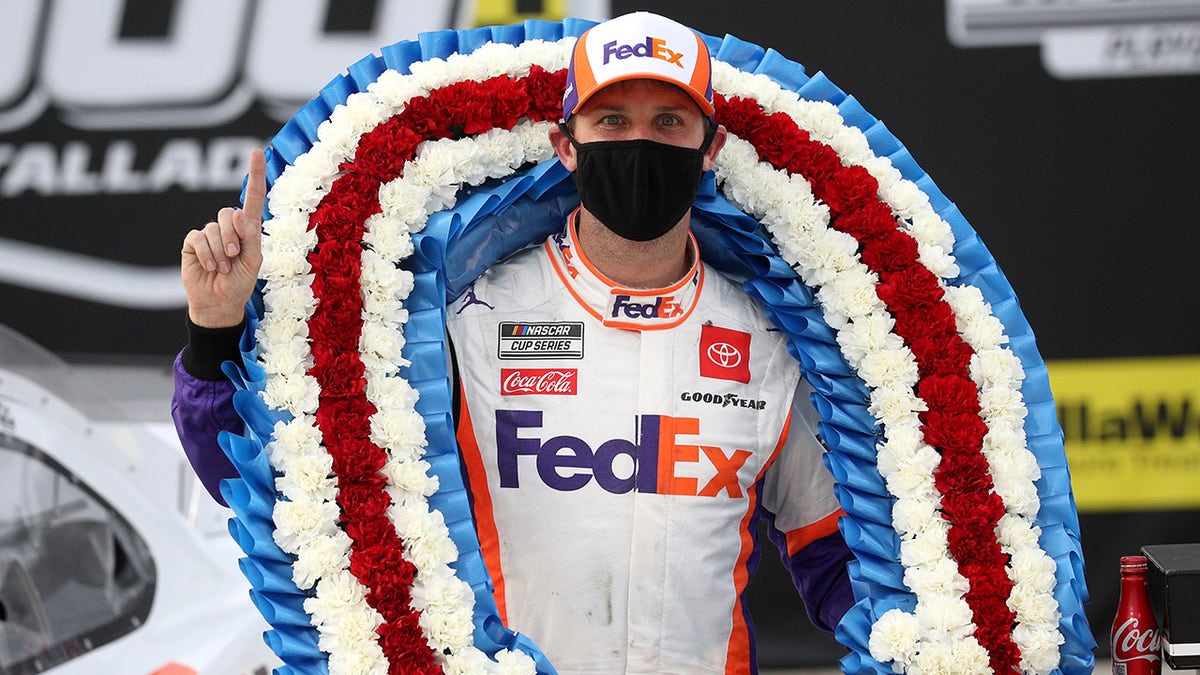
(627, 413)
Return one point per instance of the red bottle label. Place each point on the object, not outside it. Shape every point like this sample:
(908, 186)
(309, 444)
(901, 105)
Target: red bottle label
(1135, 649)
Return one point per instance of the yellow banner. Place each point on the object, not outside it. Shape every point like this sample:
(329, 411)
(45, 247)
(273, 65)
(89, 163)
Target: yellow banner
(1132, 429)
(498, 12)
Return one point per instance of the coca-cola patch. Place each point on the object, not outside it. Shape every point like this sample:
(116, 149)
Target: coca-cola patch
(539, 381)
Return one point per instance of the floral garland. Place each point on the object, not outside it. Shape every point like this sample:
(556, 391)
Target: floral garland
(878, 280)
(353, 512)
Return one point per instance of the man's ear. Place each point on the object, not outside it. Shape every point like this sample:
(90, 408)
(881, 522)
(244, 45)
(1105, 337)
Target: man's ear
(563, 147)
(718, 142)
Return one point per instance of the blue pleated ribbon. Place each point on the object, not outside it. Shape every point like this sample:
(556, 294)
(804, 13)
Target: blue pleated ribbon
(491, 222)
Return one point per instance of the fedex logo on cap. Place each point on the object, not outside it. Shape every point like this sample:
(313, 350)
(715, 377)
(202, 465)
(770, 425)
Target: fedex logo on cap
(653, 463)
(653, 47)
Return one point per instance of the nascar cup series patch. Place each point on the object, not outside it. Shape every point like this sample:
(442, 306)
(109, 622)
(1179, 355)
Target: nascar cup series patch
(562, 340)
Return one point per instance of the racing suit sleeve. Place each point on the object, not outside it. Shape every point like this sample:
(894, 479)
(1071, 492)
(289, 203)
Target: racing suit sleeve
(801, 512)
(202, 405)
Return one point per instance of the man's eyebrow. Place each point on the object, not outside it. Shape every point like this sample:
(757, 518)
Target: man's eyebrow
(618, 108)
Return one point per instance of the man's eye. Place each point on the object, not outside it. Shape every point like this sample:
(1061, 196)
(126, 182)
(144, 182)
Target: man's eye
(669, 121)
(611, 120)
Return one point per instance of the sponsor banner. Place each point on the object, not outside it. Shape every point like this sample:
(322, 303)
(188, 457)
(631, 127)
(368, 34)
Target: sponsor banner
(126, 123)
(1123, 51)
(1086, 38)
(1132, 429)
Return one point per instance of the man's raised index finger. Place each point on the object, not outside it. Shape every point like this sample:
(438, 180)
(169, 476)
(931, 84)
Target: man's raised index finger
(256, 185)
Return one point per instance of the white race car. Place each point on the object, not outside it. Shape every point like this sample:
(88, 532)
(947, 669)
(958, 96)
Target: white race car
(113, 559)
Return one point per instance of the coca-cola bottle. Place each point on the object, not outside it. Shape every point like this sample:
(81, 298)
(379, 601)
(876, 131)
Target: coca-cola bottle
(1135, 639)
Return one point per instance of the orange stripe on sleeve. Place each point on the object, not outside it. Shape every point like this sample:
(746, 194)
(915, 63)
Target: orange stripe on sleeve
(798, 539)
(485, 521)
(737, 654)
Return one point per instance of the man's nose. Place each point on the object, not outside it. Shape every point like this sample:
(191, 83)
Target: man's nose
(641, 131)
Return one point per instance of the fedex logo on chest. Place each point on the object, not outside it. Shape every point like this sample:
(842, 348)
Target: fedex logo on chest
(653, 47)
(652, 463)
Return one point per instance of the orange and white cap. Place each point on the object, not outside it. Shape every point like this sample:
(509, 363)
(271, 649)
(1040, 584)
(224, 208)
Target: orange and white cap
(640, 45)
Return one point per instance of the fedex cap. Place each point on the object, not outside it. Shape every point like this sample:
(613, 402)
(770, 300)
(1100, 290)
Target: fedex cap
(634, 46)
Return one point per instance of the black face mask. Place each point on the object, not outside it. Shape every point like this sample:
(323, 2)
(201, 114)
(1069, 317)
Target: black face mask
(638, 189)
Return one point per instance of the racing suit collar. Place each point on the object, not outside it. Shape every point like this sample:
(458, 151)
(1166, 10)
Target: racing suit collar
(615, 305)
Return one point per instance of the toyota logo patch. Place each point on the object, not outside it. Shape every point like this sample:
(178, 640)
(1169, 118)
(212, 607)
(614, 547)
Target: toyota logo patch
(724, 353)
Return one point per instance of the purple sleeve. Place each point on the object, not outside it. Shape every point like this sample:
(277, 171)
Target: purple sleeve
(202, 406)
(201, 410)
(819, 572)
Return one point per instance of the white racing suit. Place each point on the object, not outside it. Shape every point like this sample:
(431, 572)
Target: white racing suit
(620, 447)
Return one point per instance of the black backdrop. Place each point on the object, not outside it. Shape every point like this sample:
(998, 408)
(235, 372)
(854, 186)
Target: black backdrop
(1082, 189)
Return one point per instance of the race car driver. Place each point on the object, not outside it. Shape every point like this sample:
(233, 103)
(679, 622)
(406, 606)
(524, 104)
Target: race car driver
(627, 416)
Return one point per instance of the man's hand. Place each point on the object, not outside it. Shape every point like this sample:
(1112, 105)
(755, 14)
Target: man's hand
(220, 262)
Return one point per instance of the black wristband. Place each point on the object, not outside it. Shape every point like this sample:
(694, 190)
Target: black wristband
(208, 348)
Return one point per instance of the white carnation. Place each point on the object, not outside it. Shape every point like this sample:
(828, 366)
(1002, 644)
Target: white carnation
(945, 615)
(309, 478)
(320, 557)
(909, 513)
(290, 302)
(895, 367)
(894, 637)
(1039, 648)
(928, 228)
(292, 440)
(394, 89)
(895, 403)
(398, 430)
(411, 478)
(514, 663)
(297, 522)
(906, 199)
(286, 357)
(938, 261)
(297, 394)
(1016, 534)
(940, 578)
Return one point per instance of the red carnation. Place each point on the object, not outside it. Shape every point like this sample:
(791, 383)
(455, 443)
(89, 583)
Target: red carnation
(931, 321)
(403, 641)
(847, 189)
(962, 433)
(363, 500)
(366, 534)
(874, 219)
(909, 287)
(545, 90)
(741, 116)
(890, 251)
(816, 162)
(350, 415)
(777, 137)
(954, 394)
(945, 354)
(382, 152)
(427, 118)
(354, 456)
